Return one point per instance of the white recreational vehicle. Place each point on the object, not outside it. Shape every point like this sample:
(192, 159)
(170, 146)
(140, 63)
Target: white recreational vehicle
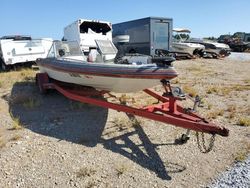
(85, 32)
(22, 49)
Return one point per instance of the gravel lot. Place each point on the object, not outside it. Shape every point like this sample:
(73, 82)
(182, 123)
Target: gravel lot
(50, 141)
(237, 176)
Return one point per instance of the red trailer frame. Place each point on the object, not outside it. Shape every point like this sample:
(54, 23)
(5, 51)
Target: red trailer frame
(167, 111)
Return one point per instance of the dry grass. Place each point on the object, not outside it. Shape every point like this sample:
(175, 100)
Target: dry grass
(215, 113)
(212, 89)
(243, 153)
(85, 171)
(241, 156)
(121, 169)
(122, 123)
(7, 79)
(31, 103)
(225, 90)
(190, 90)
(15, 137)
(17, 125)
(244, 121)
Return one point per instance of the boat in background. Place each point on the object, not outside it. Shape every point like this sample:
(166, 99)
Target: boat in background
(66, 63)
(213, 49)
(182, 46)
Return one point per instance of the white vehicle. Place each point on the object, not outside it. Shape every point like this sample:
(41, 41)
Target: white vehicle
(181, 45)
(22, 49)
(85, 32)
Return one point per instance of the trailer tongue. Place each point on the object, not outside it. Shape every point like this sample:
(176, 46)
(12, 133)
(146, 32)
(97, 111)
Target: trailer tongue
(167, 110)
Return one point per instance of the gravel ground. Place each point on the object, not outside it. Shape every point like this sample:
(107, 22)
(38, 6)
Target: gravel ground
(237, 176)
(239, 56)
(50, 141)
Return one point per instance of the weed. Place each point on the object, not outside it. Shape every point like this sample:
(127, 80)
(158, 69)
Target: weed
(121, 169)
(122, 123)
(136, 122)
(244, 121)
(17, 125)
(15, 137)
(247, 81)
(123, 99)
(225, 90)
(241, 156)
(231, 115)
(209, 106)
(175, 81)
(191, 91)
(74, 105)
(212, 89)
(31, 103)
(1, 84)
(85, 171)
(241, 87)
(27, 74)
(214, 114)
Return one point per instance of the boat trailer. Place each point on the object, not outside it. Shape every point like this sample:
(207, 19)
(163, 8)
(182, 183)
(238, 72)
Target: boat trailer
(167, 110)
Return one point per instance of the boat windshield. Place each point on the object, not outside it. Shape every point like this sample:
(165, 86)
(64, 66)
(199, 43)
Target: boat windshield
(64, 49)
(181, 37)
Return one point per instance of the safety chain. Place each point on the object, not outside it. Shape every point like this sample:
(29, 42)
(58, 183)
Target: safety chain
(203, 148)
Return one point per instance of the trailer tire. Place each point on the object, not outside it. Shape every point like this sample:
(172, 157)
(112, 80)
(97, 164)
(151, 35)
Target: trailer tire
(4, 67)
(42, 78)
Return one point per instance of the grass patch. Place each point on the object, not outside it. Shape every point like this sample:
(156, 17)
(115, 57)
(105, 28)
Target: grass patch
(17, 125)
(240, 87)
(189, 90)
(241, 156)
(85, 171)
(212, 89)
(244, 121)
(31, 103)
(215, 113)
(27, 74)
(7, 79)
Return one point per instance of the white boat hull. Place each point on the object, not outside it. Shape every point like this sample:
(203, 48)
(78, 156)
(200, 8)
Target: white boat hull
(186, 47)
(113, 84)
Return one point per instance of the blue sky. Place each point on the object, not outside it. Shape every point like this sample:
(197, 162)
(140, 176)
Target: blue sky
(47, 18)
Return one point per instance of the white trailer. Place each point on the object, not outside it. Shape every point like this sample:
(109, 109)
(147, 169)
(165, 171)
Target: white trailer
(85, 32)
(22, 49)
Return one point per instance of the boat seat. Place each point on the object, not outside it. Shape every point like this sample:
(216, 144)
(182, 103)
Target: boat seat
(94, 56)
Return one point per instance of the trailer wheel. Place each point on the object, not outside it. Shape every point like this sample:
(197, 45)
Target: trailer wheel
(4, 67)
(41, 79)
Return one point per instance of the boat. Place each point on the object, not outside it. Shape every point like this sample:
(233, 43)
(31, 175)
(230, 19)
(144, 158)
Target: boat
(66, 67)
(181, 46)
(67, 63)
(213, 49)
